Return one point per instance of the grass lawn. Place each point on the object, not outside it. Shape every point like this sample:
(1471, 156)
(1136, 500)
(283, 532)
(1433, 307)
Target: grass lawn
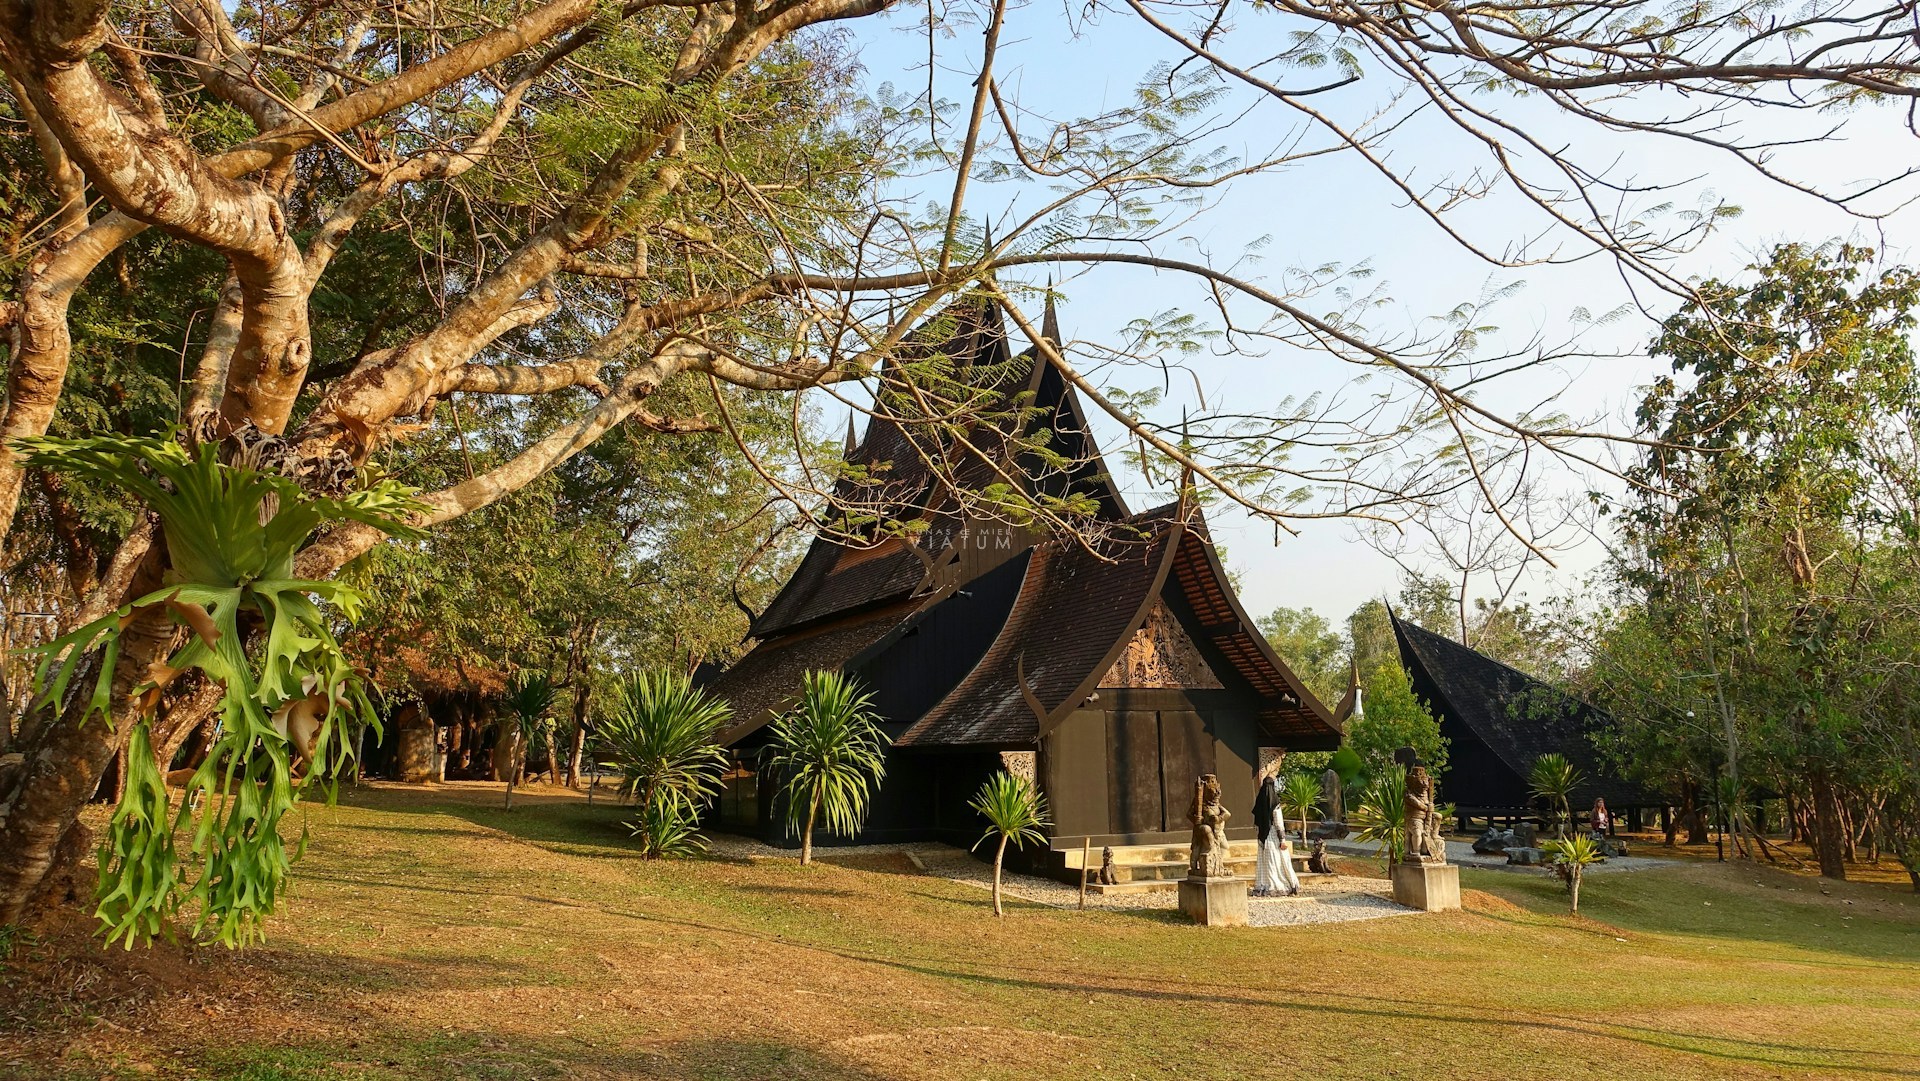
(434, 936)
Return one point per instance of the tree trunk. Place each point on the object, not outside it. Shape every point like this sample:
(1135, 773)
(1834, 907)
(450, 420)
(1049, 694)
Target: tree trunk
(64, 764)
(413, 760)
(1669, 826)
(1829, 846)
(1692, 816)
(999, 855)
(806, 835)
(574, 753)
(1575, 890)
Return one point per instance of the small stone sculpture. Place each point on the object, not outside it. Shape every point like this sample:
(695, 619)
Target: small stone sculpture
(1317, 860)
(1207, 856)
(1421, 821)
(1106, 875)
(1330, 797)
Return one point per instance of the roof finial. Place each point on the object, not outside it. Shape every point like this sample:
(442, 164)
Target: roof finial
(1050, 319)
(853, 441)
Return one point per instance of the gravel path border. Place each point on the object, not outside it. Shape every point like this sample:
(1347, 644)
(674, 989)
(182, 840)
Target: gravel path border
(1462, 853)
(1329, 899)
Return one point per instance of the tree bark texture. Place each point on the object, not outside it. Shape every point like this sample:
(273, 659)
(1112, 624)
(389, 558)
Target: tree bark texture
(1829, 842)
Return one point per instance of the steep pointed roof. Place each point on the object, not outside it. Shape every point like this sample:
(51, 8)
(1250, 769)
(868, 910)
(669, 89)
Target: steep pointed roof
(1517, 717)
(902, 467)
(1077, 612)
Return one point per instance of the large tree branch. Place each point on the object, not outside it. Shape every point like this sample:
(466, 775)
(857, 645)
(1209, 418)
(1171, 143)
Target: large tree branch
(43, 343)
(334, 548)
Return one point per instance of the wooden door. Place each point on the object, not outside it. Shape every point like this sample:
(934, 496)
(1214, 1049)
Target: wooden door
(1186, 752)
(1133, 739)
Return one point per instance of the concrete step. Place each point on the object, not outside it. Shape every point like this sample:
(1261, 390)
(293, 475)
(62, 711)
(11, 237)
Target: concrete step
(1126, 854)
(1172, 869)
(1157, 885)
(1151, 885)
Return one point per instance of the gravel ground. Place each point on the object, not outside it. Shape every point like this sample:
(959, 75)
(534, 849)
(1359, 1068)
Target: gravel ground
(1332, 899)
(1462, 853)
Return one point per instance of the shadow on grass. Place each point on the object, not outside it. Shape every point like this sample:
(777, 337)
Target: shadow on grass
(1783, 910)
(410, 1052)
(1364, 1012)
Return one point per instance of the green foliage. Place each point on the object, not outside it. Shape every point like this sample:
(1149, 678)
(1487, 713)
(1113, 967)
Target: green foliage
(1015, 810)
(1380, 814)
(1767, 583)
(529, 701)
(1370, 637)
(231, 533)
(12, 937)
(666, 831)
(1300, 792)
(528, 713)
(1571, 857)
(1305, 640)
(1553, 779)
(660, 737)
(829, 754)
(1394, 717)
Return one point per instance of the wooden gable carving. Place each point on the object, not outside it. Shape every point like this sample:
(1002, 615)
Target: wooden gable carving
(1161, 654)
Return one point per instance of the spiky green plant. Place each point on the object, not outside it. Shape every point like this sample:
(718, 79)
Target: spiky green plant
(231, 533)
(829, 753)
(661, 737)
(1553, 779)
(666, 830)
(1571, 857)
(1015, 811)
(528, 707)
(1380, 814)
(1301, 792)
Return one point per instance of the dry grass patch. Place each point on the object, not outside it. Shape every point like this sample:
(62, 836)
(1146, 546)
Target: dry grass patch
(434, 935)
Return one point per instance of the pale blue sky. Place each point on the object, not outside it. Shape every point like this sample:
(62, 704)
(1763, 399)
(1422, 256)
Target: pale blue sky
(1338, 210)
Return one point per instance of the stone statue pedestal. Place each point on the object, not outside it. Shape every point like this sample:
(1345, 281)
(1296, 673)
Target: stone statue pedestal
(1429, 887)
(1215, 902)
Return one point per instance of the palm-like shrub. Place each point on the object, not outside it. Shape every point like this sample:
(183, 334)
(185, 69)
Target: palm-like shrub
(1553, 779)
(528, 709)
(1301, 792)
(1380, 814)
(830, 753)
(1572, 856)
(1015, 811)
(660, 737)
(231, 533)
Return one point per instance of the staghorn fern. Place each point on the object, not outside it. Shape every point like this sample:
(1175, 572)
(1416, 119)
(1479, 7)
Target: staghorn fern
(231, 534)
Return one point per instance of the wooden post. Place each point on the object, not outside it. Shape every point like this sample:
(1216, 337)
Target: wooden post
(1086, 849)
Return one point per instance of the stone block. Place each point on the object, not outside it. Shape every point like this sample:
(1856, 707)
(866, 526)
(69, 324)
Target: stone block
(1527, 857)
(1215, 902)
(1327, 831)
(1429, 887)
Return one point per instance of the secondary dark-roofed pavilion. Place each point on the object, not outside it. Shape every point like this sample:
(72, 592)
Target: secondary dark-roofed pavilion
(1113, 666)
(1498, 721)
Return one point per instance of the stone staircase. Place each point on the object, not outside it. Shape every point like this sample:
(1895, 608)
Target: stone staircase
(1151, 868)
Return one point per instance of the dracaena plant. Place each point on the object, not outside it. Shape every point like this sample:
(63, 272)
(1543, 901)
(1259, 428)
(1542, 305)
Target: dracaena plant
(231, 533)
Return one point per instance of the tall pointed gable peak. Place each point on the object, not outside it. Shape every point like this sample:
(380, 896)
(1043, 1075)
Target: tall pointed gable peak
(1050, 319)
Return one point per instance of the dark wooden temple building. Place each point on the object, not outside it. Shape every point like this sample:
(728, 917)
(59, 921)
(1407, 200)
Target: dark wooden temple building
(1112, 669)
(1498, 721)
